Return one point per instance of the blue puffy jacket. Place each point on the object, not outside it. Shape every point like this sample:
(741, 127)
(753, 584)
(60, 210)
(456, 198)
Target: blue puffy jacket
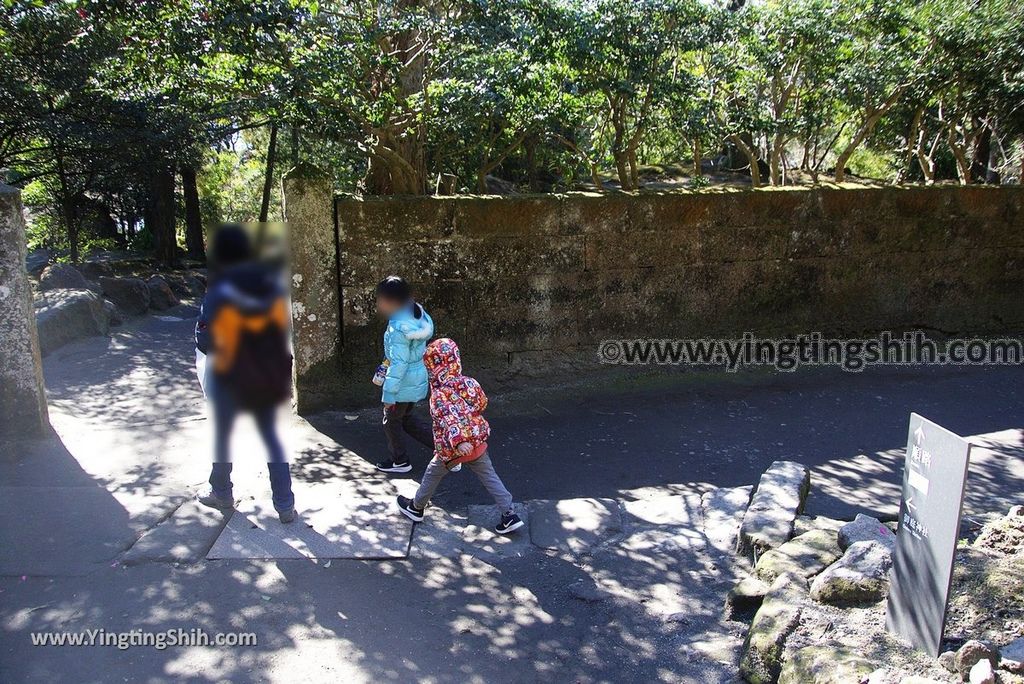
(405, 339)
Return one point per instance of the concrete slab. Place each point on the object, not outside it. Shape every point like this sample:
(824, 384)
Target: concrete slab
(480, 540)
(354, 519)
(440, 535)
(61, 531)
(722, 512)
(573, 525)
(184, 537)
(681, 510)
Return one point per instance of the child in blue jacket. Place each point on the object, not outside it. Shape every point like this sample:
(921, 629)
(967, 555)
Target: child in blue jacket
(405, 339)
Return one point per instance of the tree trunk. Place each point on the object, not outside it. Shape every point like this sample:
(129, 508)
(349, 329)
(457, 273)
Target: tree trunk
(193, 215)
(397, 165)
(69, 213)
(982, 151)
(531, 163)
(160, 215)
(698, 161)
(268, 176)
(751, 156)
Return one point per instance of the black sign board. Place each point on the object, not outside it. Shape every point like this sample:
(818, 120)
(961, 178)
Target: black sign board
(934, 476)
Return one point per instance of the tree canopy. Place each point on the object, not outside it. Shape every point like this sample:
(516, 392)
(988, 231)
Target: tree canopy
(138, 123)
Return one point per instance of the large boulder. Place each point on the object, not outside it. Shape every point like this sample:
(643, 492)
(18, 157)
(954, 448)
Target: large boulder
(806, 555)
(778, 499)
(63, 316)
(161, 296)
(36, 260)
(185, 284)
(63, 277)
(131, 295)
(830, 663)
(807, 523)
(775, 620)
(866, 528)
(860, 576)
(94, 270)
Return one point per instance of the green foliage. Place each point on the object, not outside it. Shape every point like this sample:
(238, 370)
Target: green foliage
(112, 97)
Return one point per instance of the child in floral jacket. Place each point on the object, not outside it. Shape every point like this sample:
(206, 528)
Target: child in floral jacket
(460, 434)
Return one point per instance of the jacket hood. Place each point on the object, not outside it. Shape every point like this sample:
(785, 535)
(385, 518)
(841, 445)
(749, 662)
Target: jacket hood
(442, 360)
(249, 285)
(412, 326)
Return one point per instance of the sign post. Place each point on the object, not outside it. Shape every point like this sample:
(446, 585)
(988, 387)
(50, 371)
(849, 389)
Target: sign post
(934, 476)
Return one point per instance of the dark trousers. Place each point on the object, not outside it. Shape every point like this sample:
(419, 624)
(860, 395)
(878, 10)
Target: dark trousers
(225, 411)
(401, 418)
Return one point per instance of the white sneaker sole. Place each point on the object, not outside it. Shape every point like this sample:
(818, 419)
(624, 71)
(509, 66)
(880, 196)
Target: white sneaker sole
(510, 529)
(400, 469)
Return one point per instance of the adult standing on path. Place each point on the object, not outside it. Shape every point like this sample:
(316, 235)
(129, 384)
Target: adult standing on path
(243, 328)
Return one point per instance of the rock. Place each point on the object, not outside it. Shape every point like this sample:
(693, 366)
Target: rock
(825, 664)
(806, 555)
(114, 315)
(94, 270)
(185, 285)
(1004, 535)
(860, 576)
(1012, 652)
(973, 652)
(748, 594)
(586, 590)
(807, 523)
(67, 315)
(948, 660)
(866, 528)
(131, 295)
(161, 296)
(982, 673)
(778, 499)
(915, 679)
(63, 277)
(36, 260)
(775, 620)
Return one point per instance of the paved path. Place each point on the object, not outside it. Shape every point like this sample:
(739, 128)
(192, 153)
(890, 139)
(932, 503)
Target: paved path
(618, 577)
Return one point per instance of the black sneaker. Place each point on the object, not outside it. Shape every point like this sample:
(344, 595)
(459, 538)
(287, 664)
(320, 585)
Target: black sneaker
(409, 509)
(510, 522)
(287, 516)
(394, 467)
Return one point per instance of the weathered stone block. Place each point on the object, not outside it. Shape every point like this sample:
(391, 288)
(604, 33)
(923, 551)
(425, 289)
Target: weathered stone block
(860, 576)
(866, 528)
(774, 622)
(778, 499)
(826, 664)
(806, 555)
(22, 397)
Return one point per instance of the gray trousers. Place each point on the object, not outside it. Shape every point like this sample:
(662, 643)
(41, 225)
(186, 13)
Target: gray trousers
(481, 467)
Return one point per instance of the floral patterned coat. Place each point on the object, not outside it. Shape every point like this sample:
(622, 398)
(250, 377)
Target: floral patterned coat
(456, 404)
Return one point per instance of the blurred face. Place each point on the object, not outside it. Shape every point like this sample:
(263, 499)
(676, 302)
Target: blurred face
(386, 307)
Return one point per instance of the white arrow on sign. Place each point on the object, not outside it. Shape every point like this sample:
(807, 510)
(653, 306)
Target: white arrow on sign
(918, 435)
(911, 506)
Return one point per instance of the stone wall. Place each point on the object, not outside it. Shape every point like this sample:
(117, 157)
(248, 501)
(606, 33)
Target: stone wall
(22, 398)
(521, 280)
